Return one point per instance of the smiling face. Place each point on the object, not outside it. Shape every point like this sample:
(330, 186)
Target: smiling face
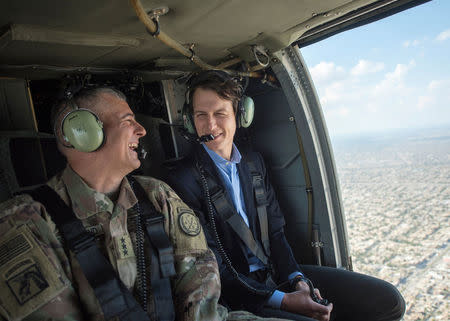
(214, 115)
(122, 133)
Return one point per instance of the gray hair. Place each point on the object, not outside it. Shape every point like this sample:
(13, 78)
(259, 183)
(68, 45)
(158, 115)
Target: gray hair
(89, 97)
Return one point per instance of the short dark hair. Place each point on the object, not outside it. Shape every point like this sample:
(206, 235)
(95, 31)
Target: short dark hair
(219, 82)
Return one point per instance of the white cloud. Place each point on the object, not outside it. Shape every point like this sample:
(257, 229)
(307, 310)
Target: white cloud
(334, 92)
(434, 84)
(392, 98)
(326, 71)
(393, 82)
(425, 101)
(411, 43)
(401, 70)
(365, 67)
(439, 84)
(343, 111)
(444, 35)
(337, 112)
(372, 107)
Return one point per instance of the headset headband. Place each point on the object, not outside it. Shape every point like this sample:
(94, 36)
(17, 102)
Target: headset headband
(245, 106)
(198, 78)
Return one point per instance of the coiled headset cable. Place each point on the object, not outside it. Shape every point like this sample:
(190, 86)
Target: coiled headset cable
(141, 264)
(220, 248)
(227, 260)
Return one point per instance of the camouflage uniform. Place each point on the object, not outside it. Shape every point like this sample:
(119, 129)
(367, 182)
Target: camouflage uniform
(40, 281)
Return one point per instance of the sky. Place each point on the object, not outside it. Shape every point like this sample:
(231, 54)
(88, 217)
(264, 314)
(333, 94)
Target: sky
(390, 74)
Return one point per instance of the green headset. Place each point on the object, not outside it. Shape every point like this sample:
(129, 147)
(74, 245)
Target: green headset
(81, 129)
(246, 107)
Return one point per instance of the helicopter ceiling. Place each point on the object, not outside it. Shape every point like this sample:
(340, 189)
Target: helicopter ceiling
(108, 33)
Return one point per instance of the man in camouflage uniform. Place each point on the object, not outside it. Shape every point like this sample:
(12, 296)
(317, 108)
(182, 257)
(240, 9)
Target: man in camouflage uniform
(42, 280)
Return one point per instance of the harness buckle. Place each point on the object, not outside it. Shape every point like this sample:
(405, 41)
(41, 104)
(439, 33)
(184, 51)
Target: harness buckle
(317, 244)
(260, 194)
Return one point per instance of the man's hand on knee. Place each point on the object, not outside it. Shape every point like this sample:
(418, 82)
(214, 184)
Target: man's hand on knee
(300, 302)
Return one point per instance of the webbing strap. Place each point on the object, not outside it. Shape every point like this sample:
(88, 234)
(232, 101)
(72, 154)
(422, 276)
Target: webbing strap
(162, 260)
(261, 205)
(239, 226)
(113, 296)
(237, 223)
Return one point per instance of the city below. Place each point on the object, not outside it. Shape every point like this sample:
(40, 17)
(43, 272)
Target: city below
(396, 193)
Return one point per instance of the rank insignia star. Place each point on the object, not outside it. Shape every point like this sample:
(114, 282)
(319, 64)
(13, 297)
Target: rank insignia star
(124, 246)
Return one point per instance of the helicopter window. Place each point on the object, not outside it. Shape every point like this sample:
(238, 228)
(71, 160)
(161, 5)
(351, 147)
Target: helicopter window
(389, 124)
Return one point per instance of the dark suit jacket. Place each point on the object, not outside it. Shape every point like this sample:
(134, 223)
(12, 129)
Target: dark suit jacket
(185, 180)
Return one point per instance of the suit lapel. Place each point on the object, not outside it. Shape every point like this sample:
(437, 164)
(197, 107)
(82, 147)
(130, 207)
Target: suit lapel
(234, 220)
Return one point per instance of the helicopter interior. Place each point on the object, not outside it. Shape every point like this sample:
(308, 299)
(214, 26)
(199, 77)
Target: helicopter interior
(147, 49)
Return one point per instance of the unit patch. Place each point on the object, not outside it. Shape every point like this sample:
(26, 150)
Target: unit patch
(189, 223)
(29, 279)
(27, 284)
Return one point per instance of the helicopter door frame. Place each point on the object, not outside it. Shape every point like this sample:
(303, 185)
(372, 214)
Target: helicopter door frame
(290, 69)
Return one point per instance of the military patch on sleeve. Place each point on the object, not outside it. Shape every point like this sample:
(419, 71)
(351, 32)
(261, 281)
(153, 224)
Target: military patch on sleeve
(30, 280)
(27, 284)
(189, 223)
(185, 230)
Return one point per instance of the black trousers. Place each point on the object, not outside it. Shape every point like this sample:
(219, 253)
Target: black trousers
(355, 296)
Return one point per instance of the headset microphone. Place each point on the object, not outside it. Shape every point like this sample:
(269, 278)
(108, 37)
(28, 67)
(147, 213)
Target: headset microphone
(205, 138)
(142, 153)
(193, 137)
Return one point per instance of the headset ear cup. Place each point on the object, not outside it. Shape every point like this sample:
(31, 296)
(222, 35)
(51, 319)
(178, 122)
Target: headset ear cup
(247, 112)
(83, 130)
(188, 122)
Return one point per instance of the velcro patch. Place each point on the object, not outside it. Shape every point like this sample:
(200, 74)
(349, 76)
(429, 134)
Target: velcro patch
(27, 284)
(185, 229)
(30, 279)
(14, 247)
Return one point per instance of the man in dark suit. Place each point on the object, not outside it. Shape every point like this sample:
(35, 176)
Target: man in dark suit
(243, 223)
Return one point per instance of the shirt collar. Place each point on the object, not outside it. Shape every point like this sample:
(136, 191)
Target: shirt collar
(87, 201)
(219, 160)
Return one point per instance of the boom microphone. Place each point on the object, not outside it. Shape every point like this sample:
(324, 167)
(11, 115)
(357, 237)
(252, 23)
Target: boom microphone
(142, 153)
(193, 138)
(205, 138)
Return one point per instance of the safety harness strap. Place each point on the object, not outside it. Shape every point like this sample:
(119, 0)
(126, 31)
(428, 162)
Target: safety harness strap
(229, 215)
(113, 296)
(261, 204)
(161, 251)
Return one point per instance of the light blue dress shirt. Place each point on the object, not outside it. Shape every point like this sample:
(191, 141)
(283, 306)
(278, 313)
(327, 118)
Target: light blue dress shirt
(230, 175)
